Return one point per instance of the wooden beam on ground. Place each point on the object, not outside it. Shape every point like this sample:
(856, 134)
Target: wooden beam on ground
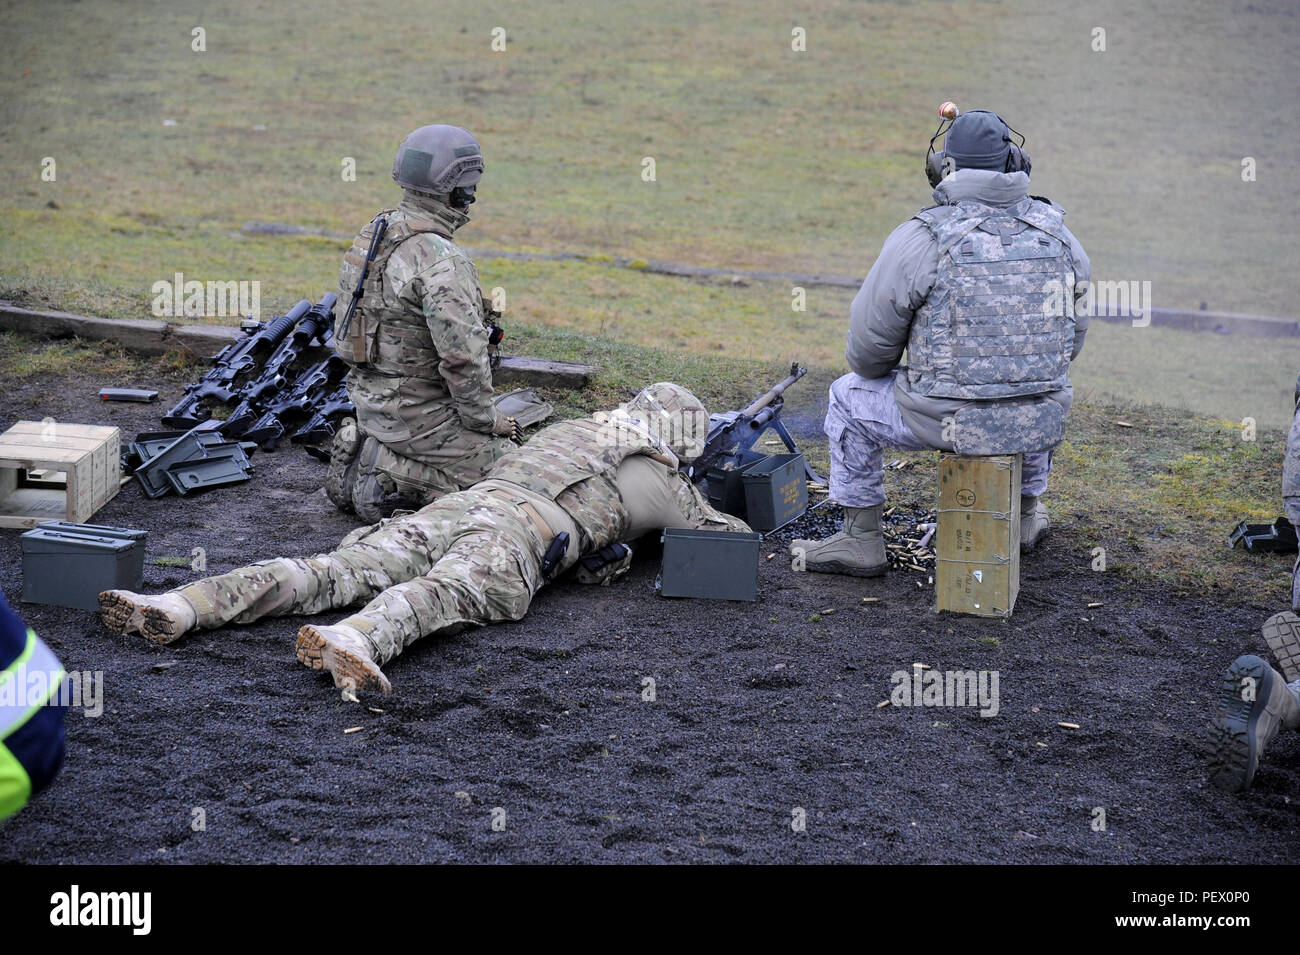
(153, 337)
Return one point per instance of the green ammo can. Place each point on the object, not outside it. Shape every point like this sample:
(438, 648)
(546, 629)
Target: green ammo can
(67, 564)
(717, 565)
(775, 491)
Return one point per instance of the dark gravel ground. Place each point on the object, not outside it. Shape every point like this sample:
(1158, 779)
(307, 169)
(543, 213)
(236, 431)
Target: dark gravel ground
(760, 710)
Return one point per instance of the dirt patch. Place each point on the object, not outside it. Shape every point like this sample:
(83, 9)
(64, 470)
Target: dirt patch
(759, 711)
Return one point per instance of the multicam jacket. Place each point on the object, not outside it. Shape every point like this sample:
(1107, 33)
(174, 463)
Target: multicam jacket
(424, 371)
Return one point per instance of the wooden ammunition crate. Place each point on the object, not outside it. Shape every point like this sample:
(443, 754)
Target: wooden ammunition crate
(50, 471)
(978, 537)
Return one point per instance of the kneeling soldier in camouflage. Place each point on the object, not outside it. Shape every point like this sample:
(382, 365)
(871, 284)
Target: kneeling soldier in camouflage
(418, 341)
(575, 494)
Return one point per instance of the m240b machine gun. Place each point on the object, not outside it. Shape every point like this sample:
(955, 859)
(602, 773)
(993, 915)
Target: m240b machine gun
(733, 432)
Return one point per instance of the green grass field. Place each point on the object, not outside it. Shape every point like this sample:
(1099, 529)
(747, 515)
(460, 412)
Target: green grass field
(764, 157)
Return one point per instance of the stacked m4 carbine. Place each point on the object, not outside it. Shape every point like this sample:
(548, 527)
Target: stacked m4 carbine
(275, 391)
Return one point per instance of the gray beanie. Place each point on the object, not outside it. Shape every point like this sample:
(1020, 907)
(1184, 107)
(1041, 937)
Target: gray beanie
(978, 139)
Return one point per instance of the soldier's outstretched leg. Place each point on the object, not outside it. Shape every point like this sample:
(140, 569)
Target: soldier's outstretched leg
(1254, 704)
(489, 572)
(364, 565)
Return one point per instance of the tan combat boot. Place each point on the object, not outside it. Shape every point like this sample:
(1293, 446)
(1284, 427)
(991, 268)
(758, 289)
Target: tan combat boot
(162, 618)
(346, 653)
(1033, 522)
(1254, 704)
(858, 550)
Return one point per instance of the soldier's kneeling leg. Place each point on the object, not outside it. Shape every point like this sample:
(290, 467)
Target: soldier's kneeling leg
(375, 495)
(343, 465)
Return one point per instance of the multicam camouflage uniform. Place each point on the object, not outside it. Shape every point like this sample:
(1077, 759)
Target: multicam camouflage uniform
(474, 556)
(420, 378)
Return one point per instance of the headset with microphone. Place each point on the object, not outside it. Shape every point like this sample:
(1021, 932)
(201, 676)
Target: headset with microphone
(937, 163)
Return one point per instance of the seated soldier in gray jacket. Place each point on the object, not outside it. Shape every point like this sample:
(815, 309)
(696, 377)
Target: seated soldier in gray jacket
(981, 290)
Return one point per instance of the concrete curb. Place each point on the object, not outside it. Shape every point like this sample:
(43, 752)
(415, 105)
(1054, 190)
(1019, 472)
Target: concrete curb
(1220, 323)
(152, 337)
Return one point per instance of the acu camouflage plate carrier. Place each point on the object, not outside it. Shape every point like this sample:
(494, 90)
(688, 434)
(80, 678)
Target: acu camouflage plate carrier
(999, 322)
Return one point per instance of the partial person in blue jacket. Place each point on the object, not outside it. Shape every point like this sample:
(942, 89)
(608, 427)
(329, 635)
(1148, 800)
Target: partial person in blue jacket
(32, 709)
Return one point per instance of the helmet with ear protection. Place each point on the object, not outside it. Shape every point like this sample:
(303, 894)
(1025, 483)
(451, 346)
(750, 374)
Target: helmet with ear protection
(938, 164)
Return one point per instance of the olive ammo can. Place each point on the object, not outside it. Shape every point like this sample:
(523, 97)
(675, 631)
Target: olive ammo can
(67, 565)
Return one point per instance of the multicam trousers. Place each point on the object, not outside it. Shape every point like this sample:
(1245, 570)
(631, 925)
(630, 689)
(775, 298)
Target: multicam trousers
(1291, 491)
(469, 558)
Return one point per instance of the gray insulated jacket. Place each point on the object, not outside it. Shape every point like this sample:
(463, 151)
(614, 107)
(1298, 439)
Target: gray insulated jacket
(881, 317)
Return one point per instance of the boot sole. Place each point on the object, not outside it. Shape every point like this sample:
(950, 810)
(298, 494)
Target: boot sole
(349, 670)
(125, 616)
(120, 614)
(1282, 631)
(848, 570)
(1234, 751)
(159, 627)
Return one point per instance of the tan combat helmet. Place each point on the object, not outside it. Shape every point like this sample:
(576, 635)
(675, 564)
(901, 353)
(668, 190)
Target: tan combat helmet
(673, 415)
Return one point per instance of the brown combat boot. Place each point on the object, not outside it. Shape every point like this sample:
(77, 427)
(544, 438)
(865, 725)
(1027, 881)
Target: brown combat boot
(1255, 702)
(1033, 522)
(858, 550)
(346, 653)
(163, 618)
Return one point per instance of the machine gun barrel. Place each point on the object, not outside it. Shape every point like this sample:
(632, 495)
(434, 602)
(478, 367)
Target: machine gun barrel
(776, 391)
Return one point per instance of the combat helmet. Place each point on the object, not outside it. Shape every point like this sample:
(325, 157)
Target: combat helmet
(673, 415)
(442, 161)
